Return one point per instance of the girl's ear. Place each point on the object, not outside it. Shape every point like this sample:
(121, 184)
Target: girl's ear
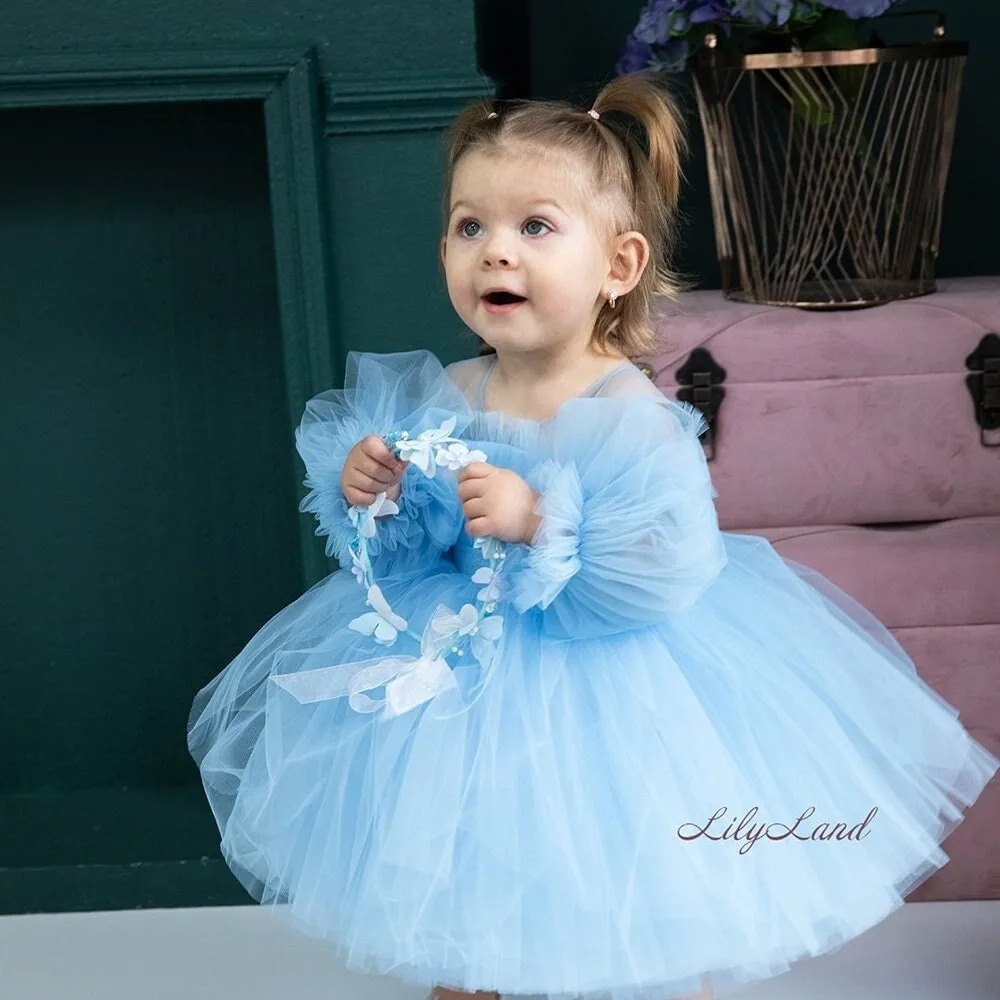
(629, 260)
(444, 244)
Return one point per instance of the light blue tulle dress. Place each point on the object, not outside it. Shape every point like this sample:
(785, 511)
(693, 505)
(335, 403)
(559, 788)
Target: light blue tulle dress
(551, 822)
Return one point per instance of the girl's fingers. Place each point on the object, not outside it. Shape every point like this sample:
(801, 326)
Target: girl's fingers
(374, 471)
(378, 451)
(477, 470)
(471, 488)
(478, 527)
(364, 484)
(358, 498)
(476, 507)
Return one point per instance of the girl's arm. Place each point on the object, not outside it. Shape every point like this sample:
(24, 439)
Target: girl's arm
(628, 533)
(382, 393)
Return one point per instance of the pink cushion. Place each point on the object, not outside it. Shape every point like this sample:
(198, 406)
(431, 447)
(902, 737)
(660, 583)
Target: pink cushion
(907, 575)
(850, 417)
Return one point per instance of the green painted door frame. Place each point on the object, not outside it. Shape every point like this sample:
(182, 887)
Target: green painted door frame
(287, 82)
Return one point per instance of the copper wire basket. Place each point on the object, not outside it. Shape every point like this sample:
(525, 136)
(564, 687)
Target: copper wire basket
(828, 170)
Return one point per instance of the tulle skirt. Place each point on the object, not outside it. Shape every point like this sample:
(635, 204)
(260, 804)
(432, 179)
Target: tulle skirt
(747, 784)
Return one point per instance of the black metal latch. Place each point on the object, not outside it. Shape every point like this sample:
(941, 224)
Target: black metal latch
(984, 385)
(700, 379)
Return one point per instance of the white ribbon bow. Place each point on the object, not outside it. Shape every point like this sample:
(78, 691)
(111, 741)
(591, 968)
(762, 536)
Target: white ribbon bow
(409, 681)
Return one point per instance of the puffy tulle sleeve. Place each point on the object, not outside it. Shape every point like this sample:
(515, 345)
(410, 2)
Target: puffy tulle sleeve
(628, 532)
(408, 391)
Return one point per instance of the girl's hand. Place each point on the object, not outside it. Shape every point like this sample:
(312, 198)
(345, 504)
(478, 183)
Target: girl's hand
(371, 468)
(497, 503)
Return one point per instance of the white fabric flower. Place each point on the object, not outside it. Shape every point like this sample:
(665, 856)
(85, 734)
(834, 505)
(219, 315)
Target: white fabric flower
(358, 567)
(456, 626)
(457, 455)
(420, 451)
(446, 628)
(363, 518)
(491, 548)
(484, 639)
(490, 594)
(383, 622)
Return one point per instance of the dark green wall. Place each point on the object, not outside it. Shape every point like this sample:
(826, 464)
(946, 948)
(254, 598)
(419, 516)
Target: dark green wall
(148, 463)
(140, 379)
(573, 46)
(366, 40)
(360, 46)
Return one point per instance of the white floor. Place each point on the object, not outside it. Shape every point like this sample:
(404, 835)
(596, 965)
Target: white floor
(924, 951)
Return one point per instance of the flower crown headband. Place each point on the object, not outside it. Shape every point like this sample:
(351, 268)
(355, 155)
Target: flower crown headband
(410, 681)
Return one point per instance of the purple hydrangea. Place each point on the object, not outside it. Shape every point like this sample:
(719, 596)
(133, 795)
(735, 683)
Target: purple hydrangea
(709, 10)
(637, 56)
(858, 9)
(660, 20)
(672, 57)
(659, 42)
(762, 11)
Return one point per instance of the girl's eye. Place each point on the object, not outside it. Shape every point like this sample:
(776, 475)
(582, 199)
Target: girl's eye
(535, 222)
(465, 227)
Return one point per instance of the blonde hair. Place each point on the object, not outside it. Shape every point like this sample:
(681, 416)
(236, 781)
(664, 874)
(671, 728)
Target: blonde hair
(640, 188)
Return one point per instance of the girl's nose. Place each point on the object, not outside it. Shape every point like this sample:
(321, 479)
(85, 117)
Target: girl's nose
(496, 254)
(497, 259)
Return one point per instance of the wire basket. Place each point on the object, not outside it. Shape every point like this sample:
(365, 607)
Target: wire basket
(828, 170)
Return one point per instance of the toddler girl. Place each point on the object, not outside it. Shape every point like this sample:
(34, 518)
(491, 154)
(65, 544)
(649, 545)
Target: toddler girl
(548, 730)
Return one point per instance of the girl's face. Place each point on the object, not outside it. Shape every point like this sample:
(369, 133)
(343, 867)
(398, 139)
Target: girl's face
(522, 226)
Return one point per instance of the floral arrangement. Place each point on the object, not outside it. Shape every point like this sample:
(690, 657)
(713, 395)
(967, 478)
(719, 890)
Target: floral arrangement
(670, 32)
(410, 681)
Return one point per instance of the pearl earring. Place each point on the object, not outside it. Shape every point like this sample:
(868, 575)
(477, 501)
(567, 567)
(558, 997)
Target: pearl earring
(612, 298)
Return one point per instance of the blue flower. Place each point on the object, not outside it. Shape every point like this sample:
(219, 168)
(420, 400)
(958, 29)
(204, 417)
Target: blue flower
(763, 11)
(671, 57)
(659, 20)
(858, 9)
(637, 56)
(660, 38)
(709, 10)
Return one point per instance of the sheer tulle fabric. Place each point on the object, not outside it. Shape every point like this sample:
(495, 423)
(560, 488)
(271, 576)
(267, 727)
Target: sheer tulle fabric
(378, 398)
(538, 832)
(629, 532)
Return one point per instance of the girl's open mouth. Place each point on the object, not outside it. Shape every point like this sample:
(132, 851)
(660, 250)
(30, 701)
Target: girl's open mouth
(497, 303)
